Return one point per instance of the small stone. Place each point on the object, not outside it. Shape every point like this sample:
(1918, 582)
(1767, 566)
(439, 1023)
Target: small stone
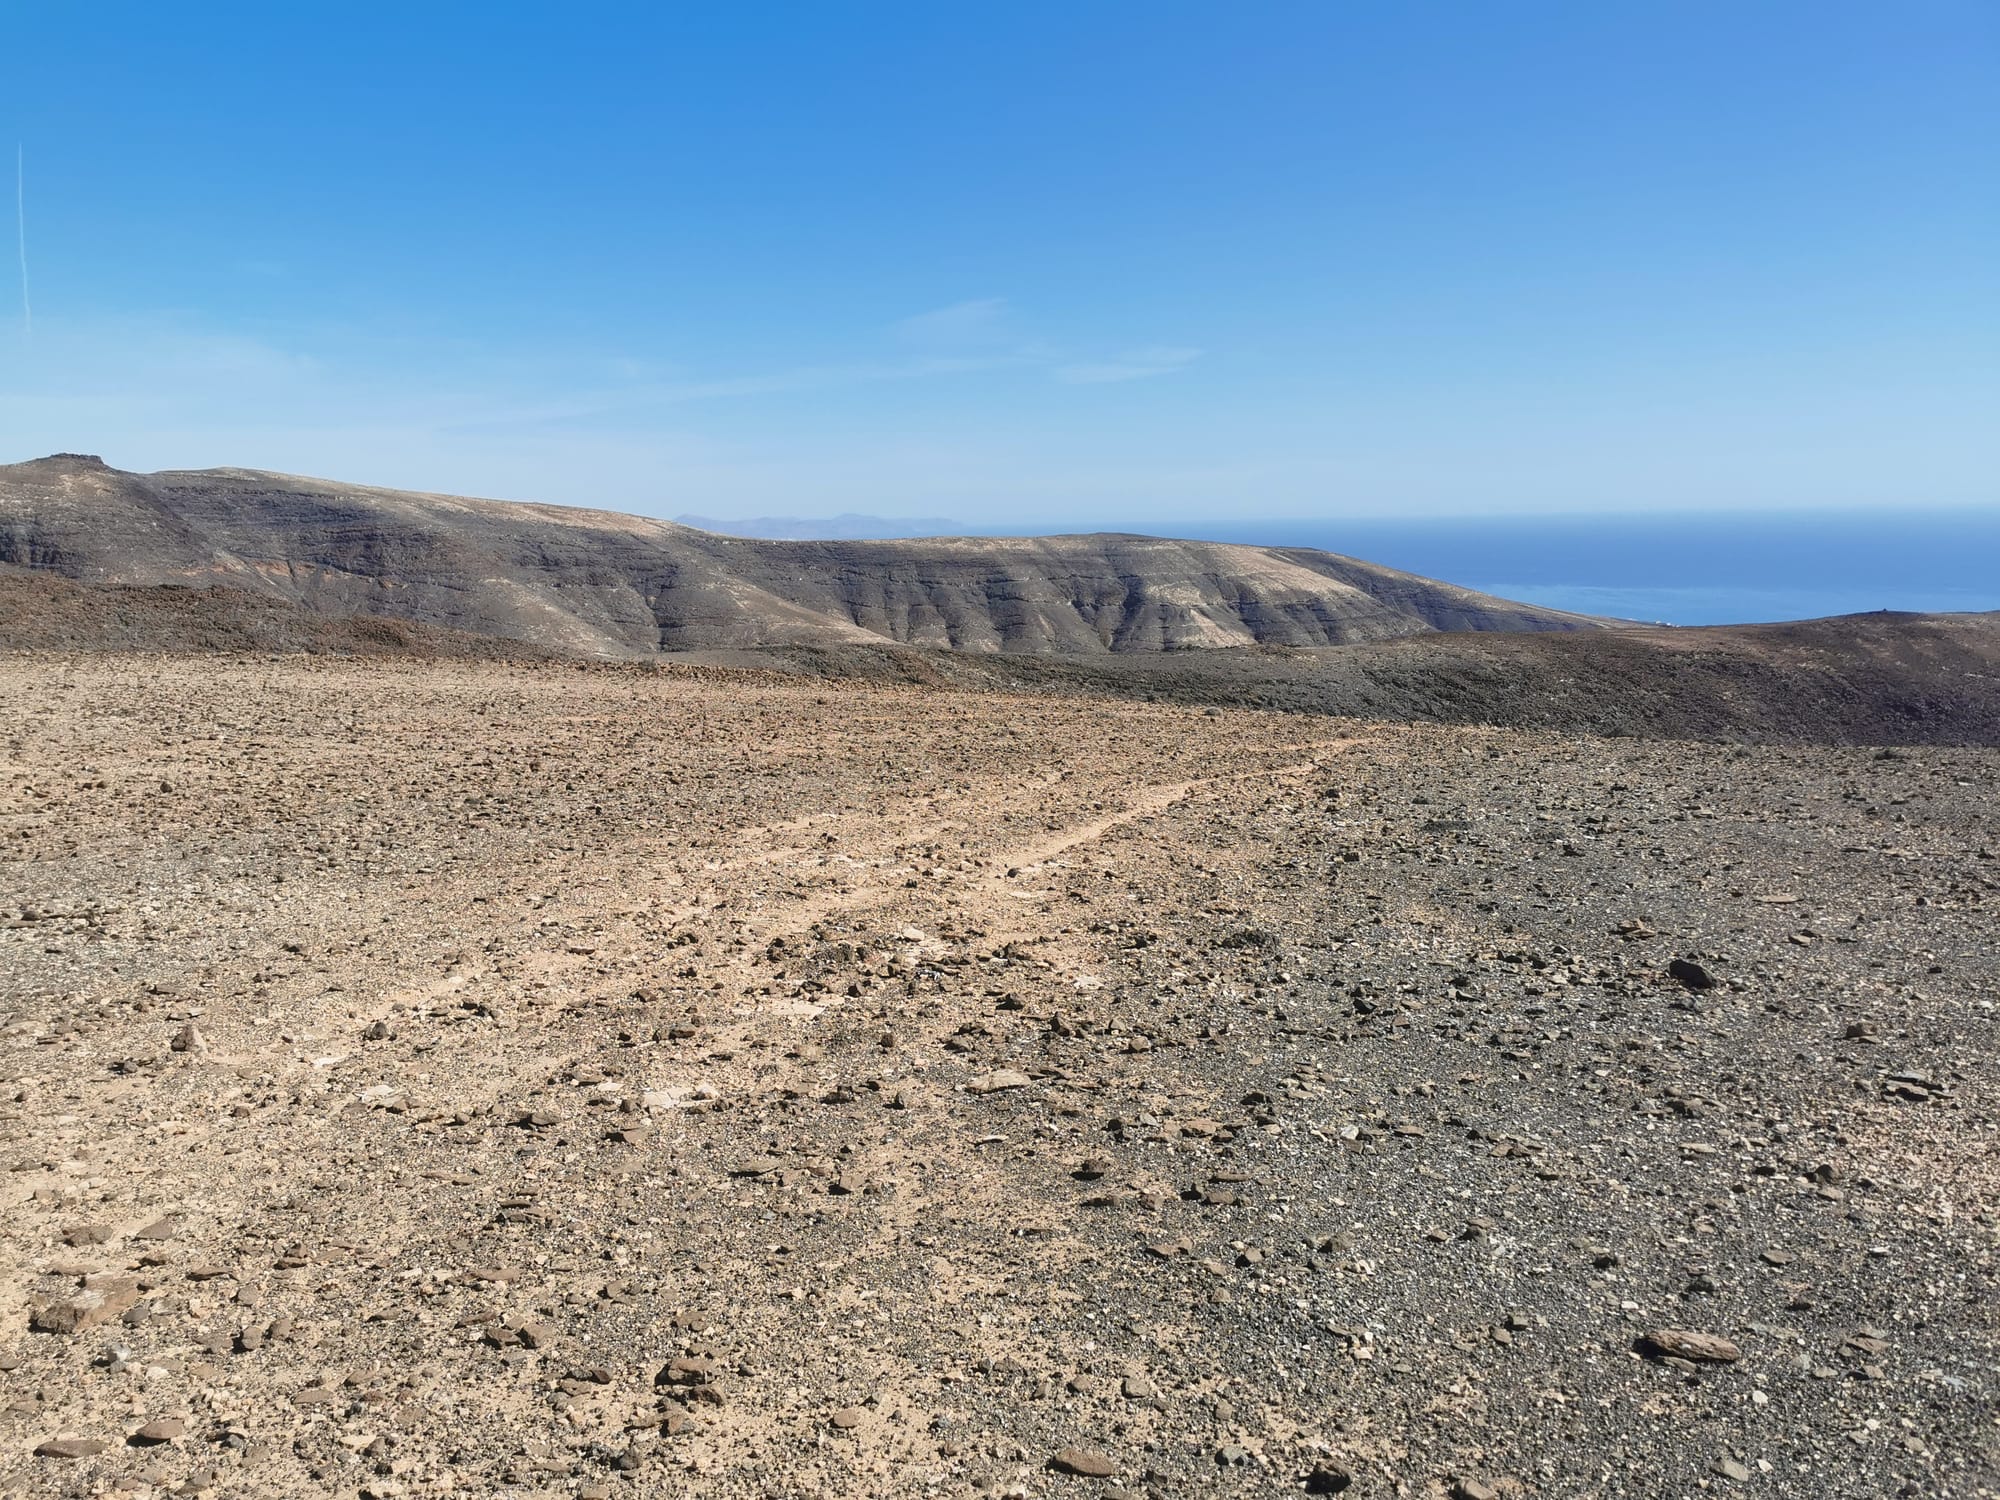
(1474, 1489)
(994, 1082)
(539, 1335)
(79, 1235)
(1085, 1463)
(1692, 974)
(1093, 1167)
(1729, 1468)
(756, 1166)
(160, 1430)
(1684, 1343)
(189, 1039)
(1867, 1341)
(161, 1228)
(71, 1448)
(691, 1369)
(1138, 1388)
(1328, 1479)
(847, 1418)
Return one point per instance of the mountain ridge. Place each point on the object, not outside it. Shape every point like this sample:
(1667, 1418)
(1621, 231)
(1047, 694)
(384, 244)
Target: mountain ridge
(605, 583)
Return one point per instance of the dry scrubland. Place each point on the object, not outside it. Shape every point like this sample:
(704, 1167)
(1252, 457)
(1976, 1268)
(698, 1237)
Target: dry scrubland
(427, 1078)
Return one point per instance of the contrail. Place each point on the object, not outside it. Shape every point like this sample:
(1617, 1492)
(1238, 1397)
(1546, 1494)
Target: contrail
(21, 223)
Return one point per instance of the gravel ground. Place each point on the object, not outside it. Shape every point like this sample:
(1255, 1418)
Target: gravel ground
(480, 1079)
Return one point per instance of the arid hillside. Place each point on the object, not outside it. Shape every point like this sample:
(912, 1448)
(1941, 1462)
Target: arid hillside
(1860, 680)
(1878, 679)
(596, 583)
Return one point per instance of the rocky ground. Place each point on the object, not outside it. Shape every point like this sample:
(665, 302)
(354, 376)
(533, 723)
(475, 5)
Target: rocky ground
(473, 1078)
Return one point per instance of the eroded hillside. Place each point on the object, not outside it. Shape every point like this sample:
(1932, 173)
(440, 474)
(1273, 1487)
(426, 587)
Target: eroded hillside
(598, 583)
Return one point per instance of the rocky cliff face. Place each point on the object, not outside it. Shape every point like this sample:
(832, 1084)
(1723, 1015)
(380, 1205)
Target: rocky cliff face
(618, 585)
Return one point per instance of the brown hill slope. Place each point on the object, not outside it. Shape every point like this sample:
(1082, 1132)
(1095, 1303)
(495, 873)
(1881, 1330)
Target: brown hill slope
(1874, 679)
(1878, 679)
(599, 583)
(45, 612)
(1863, 679)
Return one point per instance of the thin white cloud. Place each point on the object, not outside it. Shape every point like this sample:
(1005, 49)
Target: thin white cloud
(1134, 364)
(986, 326)
(383, 406)
(978, 322)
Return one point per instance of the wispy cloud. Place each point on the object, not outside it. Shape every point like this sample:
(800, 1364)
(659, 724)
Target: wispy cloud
(164, 390)
(637, 397)
(979, 322)
(1134, 364)
(987, 326)
(820, 377)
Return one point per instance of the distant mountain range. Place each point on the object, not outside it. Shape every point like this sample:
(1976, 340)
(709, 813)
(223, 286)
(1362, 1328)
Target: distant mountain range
(599, 583)
(845, 527)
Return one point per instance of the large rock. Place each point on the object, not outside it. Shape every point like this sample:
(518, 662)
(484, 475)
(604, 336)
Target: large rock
(107, 1298)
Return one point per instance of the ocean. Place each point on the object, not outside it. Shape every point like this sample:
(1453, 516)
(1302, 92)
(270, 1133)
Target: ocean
(1691, 569)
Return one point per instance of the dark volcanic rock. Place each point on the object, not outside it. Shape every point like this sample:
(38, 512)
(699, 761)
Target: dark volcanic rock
(1691, 974)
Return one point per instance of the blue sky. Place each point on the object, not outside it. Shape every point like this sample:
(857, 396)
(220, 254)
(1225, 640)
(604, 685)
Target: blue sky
(1104, 262)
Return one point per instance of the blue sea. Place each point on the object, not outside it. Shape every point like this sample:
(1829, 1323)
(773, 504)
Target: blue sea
(1690, 569)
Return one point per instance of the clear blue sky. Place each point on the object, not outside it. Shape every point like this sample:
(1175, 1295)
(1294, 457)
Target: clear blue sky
(1115, 262)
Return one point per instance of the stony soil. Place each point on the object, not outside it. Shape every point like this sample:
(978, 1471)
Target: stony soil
(467, 1078)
